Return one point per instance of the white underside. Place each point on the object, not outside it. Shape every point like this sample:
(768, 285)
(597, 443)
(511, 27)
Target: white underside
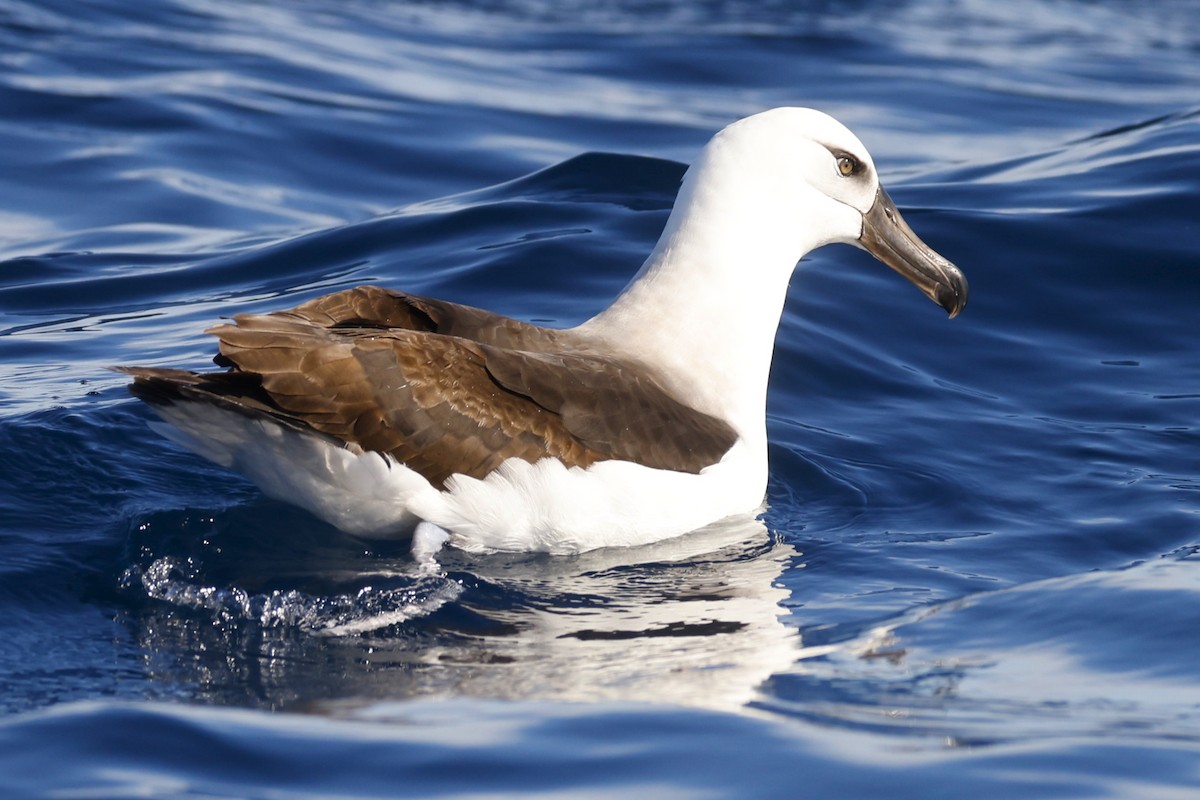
(544, 506)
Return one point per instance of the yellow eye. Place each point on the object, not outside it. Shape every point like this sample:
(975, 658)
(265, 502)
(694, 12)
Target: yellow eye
(847, 165)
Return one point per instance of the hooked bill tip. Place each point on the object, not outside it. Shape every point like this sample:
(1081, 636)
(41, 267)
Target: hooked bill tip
(952, 298)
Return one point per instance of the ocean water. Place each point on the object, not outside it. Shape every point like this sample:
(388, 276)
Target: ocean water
(979, 570)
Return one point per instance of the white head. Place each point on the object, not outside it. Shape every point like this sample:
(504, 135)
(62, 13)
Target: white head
(790, 180)
(798, 159)
(762, 193)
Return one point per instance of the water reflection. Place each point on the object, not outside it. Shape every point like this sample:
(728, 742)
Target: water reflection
(695, 621)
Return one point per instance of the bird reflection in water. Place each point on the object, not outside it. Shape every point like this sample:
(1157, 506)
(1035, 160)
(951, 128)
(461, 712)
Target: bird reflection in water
(692, 621)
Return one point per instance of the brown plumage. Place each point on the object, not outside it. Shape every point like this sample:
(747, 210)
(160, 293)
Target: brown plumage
(442, 388)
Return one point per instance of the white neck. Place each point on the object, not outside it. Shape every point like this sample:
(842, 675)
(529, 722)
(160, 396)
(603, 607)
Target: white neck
(704, 309)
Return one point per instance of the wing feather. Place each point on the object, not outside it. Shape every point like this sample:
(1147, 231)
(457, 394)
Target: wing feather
(442, 388)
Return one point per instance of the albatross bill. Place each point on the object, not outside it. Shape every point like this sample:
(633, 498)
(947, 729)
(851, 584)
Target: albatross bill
(378, 410)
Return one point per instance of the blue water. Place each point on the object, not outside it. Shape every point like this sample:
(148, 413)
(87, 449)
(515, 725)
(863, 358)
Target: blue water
(979, 572)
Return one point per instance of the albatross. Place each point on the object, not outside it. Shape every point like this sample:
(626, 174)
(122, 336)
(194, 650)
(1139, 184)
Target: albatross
(388, 414)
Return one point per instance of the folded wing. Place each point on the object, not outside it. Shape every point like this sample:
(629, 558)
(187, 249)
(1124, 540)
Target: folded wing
(442, 388)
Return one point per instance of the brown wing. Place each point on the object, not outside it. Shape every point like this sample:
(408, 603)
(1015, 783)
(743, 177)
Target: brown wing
(397, 374)
(614, 408)
(386, 309)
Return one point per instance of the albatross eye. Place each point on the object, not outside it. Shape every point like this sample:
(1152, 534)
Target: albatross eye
(847, 165)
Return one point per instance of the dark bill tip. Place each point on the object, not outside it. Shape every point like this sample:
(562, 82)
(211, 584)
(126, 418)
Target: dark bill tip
(953, 298)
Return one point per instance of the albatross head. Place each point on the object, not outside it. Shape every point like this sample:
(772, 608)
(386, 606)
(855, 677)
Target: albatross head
(707, 302)
(807, 179)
